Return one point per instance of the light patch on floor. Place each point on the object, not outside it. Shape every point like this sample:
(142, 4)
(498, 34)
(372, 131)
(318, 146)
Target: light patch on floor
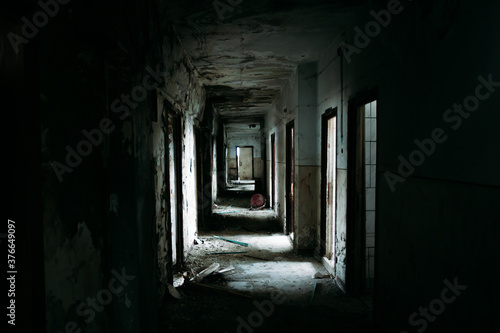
(266, 267)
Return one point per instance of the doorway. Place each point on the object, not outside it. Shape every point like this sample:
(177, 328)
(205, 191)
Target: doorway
(175, 175)
(361, 200)
(328, 184)
(273, 170)
(244, 162)
(370, 115)
(290, 178)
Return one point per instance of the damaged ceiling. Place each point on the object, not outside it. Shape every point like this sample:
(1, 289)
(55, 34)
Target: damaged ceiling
(244, 128)
(245, 51)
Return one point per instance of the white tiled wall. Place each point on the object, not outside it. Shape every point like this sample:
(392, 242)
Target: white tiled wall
(370, 170)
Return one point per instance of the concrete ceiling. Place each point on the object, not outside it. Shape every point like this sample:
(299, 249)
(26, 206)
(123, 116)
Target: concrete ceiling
(245, 53)
(248, 128)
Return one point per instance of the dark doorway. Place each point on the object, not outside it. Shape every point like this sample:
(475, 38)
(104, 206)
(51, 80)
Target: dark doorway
(198, 165)
(273, 170)
(175, 179)
(290, 177)
(361, 170)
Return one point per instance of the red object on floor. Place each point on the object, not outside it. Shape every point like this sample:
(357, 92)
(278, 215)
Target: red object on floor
(257, 200)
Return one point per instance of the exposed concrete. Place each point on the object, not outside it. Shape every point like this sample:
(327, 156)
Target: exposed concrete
(269, 267)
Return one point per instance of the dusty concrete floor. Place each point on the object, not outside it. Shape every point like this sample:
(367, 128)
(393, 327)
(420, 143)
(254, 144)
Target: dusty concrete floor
(267, 274)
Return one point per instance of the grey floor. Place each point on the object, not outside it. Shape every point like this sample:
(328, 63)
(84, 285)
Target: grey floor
(268, 268)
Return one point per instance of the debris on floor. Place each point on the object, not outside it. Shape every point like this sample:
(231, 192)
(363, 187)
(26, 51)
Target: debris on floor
(267, 265)
(207, 271)
(179, 279)
(227, 269)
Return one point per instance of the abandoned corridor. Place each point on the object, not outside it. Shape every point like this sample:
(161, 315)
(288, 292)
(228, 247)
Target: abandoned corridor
(351, 145)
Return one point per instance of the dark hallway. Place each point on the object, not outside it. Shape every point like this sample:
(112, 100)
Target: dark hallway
(251, 166)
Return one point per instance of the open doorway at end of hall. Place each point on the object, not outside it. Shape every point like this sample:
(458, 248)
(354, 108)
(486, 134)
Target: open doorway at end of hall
(244, 169)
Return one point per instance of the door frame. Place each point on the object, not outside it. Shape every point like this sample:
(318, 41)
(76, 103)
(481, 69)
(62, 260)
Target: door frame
(329, 113)
(356, 211)
(273, 170)
(177, 137)
(290, 177)
(238, 164)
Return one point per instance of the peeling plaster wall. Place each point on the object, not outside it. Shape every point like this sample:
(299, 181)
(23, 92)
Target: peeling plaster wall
(162, 194)
(106, 215)
(189, 184)
(208, 125)
(181, 86)
(184, 92)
